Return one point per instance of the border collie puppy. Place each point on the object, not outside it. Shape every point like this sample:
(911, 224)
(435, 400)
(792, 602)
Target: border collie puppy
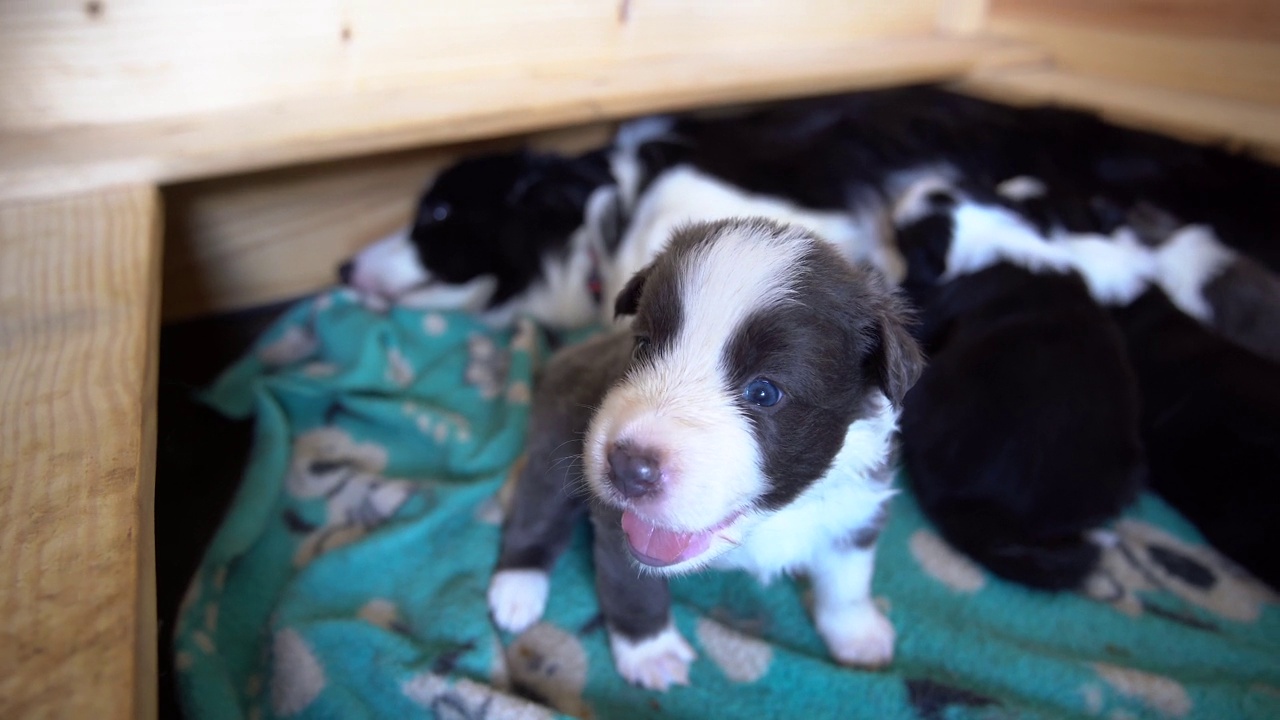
(1211, 426)
(1021, 436)
(505, 234)
(1210, 407)
(745, 420)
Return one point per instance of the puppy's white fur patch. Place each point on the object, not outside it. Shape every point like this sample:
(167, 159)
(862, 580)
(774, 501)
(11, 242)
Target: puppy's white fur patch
(683, 195)
(623, 161)
(1188, 260)
(801, 535)
(389, 267)
(1117, 268)
(517, 598)
(655, 663)
(562, 297)
(986, 235)
(677, 405)
(1021, 187)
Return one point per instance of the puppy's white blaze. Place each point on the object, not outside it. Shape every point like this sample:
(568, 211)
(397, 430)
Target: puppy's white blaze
(389, 267)
(1117, 268)
(683, 195)
(800, 534)
(1191, 257)
(985, 235)
(678, 405)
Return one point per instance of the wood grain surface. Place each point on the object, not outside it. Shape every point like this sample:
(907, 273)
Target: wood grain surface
(78, 341)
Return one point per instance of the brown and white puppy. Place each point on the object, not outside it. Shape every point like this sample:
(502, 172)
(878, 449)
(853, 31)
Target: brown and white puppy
(745, 420)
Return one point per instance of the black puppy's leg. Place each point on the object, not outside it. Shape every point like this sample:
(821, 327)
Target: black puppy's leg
(647, 648)
(537, 529)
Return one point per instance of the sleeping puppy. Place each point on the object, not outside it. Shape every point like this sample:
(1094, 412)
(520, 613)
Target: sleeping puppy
(1022, 435)
(745, 420)
(1211, 425)
(506, 234)
(1210, 406)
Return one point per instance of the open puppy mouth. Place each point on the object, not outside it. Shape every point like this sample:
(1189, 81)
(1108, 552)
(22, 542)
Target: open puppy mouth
(657, 546)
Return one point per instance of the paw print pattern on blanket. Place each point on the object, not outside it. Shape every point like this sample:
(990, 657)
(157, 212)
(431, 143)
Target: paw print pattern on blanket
(740, 657)
(1144, 558)
(550, 663)
(296, 343)
(298, 678)
(462, 699)
(328, 464)
(487, 366)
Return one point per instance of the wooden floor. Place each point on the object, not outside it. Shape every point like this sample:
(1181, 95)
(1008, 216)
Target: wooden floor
(79, 303)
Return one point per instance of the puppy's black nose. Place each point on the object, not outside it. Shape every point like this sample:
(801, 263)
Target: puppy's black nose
(634, 471)
(345, 271)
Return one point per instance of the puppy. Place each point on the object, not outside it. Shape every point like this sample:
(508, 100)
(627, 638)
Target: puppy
(1210, 403)
(745, 420)
(501, 235)
(1211, 425)
(1022, 435)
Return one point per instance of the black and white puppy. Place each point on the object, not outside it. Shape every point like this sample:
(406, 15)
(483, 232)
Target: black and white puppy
(1210, 418)
(1022, 435)
(503, 234)
(745, 420)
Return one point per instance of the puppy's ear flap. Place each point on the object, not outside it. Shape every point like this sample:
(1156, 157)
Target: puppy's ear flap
(629, 299)
(896, 361)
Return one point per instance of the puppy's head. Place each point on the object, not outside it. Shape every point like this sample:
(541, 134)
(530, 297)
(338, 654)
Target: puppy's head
(756, 348)
(495, 217)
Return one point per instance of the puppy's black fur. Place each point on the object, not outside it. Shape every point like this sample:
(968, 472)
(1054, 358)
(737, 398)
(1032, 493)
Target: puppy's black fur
(1211, 426)
(502, 214)
(1021, 436)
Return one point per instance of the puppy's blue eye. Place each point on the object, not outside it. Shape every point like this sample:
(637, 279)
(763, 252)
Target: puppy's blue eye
(762, 392)
(440, 211)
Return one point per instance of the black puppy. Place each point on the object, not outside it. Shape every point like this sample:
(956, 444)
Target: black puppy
(745, 420)
(1021, 436)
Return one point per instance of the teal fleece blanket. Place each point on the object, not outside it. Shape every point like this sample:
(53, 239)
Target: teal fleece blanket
(348, 579)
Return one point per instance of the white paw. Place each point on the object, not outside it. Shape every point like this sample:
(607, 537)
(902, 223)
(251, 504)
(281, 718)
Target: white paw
(517, 598)
(655, 663)
(858, 635)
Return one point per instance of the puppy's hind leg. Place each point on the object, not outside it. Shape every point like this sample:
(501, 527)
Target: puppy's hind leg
(536, 531)
(647, 648)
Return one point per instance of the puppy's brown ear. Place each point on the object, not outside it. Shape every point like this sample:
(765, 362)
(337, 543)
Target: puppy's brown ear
(896, 361)
(629, 299)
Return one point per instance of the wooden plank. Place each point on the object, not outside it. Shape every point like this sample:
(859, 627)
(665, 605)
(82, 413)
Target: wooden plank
(1227, 19)
(1238, 68)
(44, 161)
(114, 61)
(79, 305)
(1191, 116)
(242, 241)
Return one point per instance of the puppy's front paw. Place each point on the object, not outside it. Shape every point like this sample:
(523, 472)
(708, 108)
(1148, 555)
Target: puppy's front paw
(655, 663)
(858, 635)
(517, 598)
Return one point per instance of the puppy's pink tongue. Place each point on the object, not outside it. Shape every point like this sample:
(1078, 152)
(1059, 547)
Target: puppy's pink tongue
(659, 547)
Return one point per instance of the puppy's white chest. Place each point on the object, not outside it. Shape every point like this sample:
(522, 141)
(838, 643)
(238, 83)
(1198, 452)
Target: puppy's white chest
(790, 539)
(846, 499)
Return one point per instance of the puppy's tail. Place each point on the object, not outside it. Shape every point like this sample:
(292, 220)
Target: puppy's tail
(1046, 563)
